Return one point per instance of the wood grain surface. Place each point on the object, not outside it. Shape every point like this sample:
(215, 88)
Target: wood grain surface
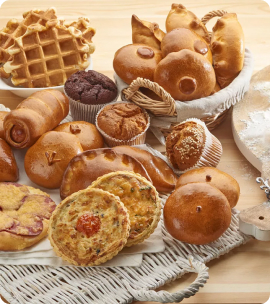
(242, 276)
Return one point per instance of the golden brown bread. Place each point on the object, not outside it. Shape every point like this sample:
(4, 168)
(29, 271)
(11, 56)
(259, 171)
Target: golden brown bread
(162, 175)
(136, 60)
(145, 32)
(3, 114)
(86, 167)
(9, 171)
(86, 132)
(34, 116)
(197, 213)
(214, 177)
(182, 38)
(180, 17)
(228, 49)
(186, 75)
(46, 161)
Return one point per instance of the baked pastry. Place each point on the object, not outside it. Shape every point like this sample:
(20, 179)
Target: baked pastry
(214, 177)
(139, 197)
(89, 165)
(123, 124)
(216, 88)
(3, 114)
(182, 38)
(90, 87)
(37, 114)
(24, 216)
(46, 161)
(228, 48)
(145, 32)
(136, 60)
(162, 176)
(197, 213)
(186, 75)
(180, 17)
(9, 170)
(190, 145)
(62, 48)
(89, 227)
(86, 132)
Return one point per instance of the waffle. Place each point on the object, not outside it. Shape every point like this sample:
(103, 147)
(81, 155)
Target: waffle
(47, 56)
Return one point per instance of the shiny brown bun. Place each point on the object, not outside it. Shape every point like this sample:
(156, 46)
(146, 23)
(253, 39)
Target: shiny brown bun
(228, 49)
(214, 177)
(86, 167)
(162, 175)
(9, 171)
(136, 60)
(3, 114)
(186, 75)
(34, 116)
(86, 132)
(180, 17)
(197, 213)
(145, 32)
(46, 161)
(182, 38)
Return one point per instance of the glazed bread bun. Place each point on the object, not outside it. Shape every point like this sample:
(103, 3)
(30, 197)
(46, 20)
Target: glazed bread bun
(136, 60)
(3, 114)
(182, 38)
(186, 75)
(180, 17)
(86, 132)
(9, 171)
(197, 213)
(146, 32)
(214, 177)
(228, 49)
(46, 161)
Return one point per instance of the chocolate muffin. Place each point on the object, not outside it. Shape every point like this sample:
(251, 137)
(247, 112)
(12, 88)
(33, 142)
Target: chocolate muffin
(90, 87)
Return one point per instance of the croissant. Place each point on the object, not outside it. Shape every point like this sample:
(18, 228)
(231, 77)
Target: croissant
(39, 113)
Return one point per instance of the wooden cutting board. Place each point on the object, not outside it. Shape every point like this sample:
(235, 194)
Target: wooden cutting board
(251, 131)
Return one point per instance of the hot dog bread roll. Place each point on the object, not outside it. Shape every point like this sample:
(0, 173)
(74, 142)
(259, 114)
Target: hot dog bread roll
(34, 116)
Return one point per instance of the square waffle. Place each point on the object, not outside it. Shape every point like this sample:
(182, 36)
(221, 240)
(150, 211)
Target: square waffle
(47, 56)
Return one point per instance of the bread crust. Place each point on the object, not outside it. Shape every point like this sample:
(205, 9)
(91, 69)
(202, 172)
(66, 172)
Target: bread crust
(9, 170)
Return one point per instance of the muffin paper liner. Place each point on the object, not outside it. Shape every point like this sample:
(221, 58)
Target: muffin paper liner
(212, 150)
(85, 112)
(136, 140)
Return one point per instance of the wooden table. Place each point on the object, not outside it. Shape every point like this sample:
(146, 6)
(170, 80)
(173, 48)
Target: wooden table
(242, 276)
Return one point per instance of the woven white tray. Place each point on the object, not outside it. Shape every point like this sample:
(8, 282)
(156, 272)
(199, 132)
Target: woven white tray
(119, 285)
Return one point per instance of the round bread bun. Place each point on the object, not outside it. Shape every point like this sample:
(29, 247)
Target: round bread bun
(186, 75)
(46, 161)
(182, 38)
(136, 60)
(86, 132)
(24, 216)
(89, 227)
(215, 177)
(197, 213)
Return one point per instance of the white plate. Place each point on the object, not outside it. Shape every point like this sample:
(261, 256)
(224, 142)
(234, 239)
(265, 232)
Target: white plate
(6, 84)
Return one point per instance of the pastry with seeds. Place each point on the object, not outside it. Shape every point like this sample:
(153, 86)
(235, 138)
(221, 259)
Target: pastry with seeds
(89, 227)
(139, 197)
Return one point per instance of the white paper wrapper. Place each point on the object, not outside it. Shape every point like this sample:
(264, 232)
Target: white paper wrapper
(84, 112)
(136, 140)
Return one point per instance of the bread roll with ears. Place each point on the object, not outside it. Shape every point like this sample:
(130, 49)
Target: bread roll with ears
(180, 17)
(34, 116)
(228, 49)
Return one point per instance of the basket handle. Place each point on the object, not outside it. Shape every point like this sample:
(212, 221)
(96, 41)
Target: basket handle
(165, 296)
(166, 106)
(212, 14)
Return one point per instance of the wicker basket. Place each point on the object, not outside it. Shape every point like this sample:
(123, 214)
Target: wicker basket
(169, 112)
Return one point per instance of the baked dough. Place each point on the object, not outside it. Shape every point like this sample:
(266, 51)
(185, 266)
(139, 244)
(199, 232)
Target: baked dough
(89, 227)
(3, 114)
(9, 171)
(145, 32)
(228, 49)
(180, 17)
(139, 197)
(24, 216)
